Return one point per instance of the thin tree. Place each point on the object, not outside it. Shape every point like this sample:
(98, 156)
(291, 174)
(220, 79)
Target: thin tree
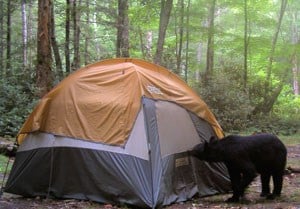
(180, 44)
(30, 33)
(87, 37)
(24, 32)
(165, 13)
(54, 44)
(1, 37)
(76, 33)
(246, 43)
(271, 93)
(8, 38)
(295, 57)
(210, 44)
(122, 29)
(44, 57)
(67, 37)
(268, 82)
(187, 41)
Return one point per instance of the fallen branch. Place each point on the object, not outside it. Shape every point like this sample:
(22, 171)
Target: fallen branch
(293, 170)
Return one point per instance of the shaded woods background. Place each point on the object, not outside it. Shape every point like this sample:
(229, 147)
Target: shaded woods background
(242, 57)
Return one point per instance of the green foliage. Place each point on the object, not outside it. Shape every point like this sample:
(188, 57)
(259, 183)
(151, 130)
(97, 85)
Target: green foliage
(274, 124)
(17, 101)
(288, 105)
(225, 94)
(3, 164)
(227, 99)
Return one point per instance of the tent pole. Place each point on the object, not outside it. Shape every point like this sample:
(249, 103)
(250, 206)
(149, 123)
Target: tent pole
(51, 173)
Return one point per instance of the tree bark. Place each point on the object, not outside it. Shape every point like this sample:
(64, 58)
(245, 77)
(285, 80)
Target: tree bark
(31, 36)
(266, 106)
(296, 73)
(271, 93)
(295, 59)
(180, 44)
(8, 39)
(268, 82)
(165, 12)
(44, 58)
(1, 38)
(55, 46)
(67, 38)
(149, 43)
(76, 33)
(187, 41)
(210, 45)
(87, 37)
(24, 32)
(122, 29)
(246, 43)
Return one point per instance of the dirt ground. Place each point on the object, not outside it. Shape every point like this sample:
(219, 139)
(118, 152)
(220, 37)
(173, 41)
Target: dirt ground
(290, 198)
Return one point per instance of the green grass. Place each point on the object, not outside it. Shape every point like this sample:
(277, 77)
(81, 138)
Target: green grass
(291, 140)
(3, 164)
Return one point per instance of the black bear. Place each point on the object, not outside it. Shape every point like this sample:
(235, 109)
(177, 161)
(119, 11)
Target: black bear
(244, 157)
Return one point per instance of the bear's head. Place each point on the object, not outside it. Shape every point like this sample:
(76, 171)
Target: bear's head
(207, 151)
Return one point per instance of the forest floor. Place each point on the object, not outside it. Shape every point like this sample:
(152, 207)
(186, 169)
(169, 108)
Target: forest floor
(290, 198)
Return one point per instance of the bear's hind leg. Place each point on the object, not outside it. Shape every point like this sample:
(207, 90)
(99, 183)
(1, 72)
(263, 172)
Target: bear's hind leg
(265, 184)
(277, 181)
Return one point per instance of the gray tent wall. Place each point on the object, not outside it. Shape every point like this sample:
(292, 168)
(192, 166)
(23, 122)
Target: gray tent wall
(153, 169)
(171, 131)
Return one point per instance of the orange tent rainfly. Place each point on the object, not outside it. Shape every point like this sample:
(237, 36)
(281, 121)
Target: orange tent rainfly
(113, 131)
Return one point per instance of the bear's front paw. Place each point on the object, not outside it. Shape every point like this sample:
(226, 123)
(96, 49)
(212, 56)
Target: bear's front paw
(272, 196)
(265, 194)
(232, 199)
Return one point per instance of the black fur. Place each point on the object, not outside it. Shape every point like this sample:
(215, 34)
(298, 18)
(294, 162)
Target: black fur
(244, 157)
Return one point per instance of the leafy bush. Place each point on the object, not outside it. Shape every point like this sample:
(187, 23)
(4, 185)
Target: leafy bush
(228, 100)
(17, 101)
(287, 105)
(232, 106)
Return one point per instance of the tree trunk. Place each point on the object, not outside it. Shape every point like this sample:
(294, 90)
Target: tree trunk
(31, 36)
(179, 48)
(122, 29)
(268, 82)
(295, 76)
(142, 45)
(295, 59)
(210, 45)
(146, 45)
(55, 46)
(149, 43)
(246, 43)
(87, 37)
(67, 38)
(271, 93)
(24, 32)
(165, 12)
(1, 38)
(76, 33)
(187, 41)
(8, 39)
(266, 106)
(44, 58)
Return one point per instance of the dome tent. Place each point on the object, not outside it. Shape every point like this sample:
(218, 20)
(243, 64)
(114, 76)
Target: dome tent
(117, 131)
